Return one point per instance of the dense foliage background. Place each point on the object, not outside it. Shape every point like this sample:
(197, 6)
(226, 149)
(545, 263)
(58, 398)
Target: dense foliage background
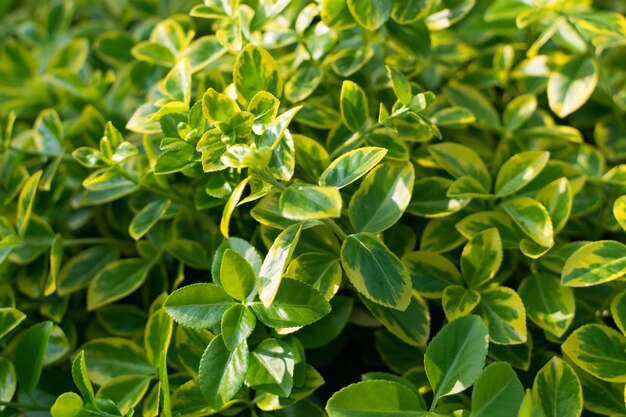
(313, 208)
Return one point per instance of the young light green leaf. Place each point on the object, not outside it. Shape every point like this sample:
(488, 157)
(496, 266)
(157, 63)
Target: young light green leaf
(236, 275)
(116, 281)
(482, 257)
(599, 350)
(400, 85)
(256, 70)
(336, 14)
(548, 304)
(264, 107)
(276, 262)
(271, 367)
(519, 170)
(351, 166)
(240, 246)
(81, 378)
(354, 106)
(497, 392)
(557, 390)
(295, 304)
(532, 218)
(375, 398)
(571, 85)
(199, 306)
(147, 217)
(375, 271)
(431, 197)
(238, 322)
(68, 404)
(310, 202)
(382, 197)
(125, 391)
(594, 264)
(230, 206)
(222, 372)
(456, 355)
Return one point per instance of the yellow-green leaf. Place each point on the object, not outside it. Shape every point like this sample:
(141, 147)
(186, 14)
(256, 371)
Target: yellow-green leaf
(595, 263)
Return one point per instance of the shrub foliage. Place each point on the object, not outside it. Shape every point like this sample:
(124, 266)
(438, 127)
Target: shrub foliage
(305, 208)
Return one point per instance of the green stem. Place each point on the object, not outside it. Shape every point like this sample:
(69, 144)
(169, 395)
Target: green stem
(335, 227)
(25, 406)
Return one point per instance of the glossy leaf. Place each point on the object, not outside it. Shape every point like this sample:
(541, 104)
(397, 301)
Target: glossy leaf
(557, 390)
(519, 170)
(255, 70)
(351, 166)
(595, 263)
(497, 391)
(354, 106)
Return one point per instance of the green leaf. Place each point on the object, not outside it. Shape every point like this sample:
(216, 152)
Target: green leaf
(230, 206)
(557, 390)
(336, 14)
(375, 271)
(430, 198)
(111, 357)
(218, 108)
(189, 251)
(10, 318)
(222, 372)
(177, 82)
(497, 392)
(519, 170)
(157, 336)
(295, 304)
(354, 106)
(351, 166)
(320, 270)
(571, 85)
(469, 97)
(452, 116)
(117, 280)
(618, 311)
(503, 312)
(310, 202)
(532, 218)
(79, 271)
(26, 201)
(518, 111)
(599, 350)
(412, 325)
(371, 14)
(238, 322)
(481, 258)
(431, 273)
(557, 198)
(264, 107)
(125, 391)
(382, 197)
(239, 277)
(329, 327)
(595, 263)
(375, 398)
(147, 217)
(400, 85)
(199, 306)
(271, 367)
(619, 211)
(81, 378)
(276, 262)
(67, 404)
(548, 304)
(255, 70)
(303, 82)
(456, 355)
(29, 354)
(530, 407)
(460, 161)
(458, 301)
(48, 133)
(240, 246)
(347, 61)
(8, 381)
(481, 221)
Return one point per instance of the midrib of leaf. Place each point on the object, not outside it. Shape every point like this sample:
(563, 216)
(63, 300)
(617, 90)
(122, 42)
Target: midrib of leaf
(491, 399)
